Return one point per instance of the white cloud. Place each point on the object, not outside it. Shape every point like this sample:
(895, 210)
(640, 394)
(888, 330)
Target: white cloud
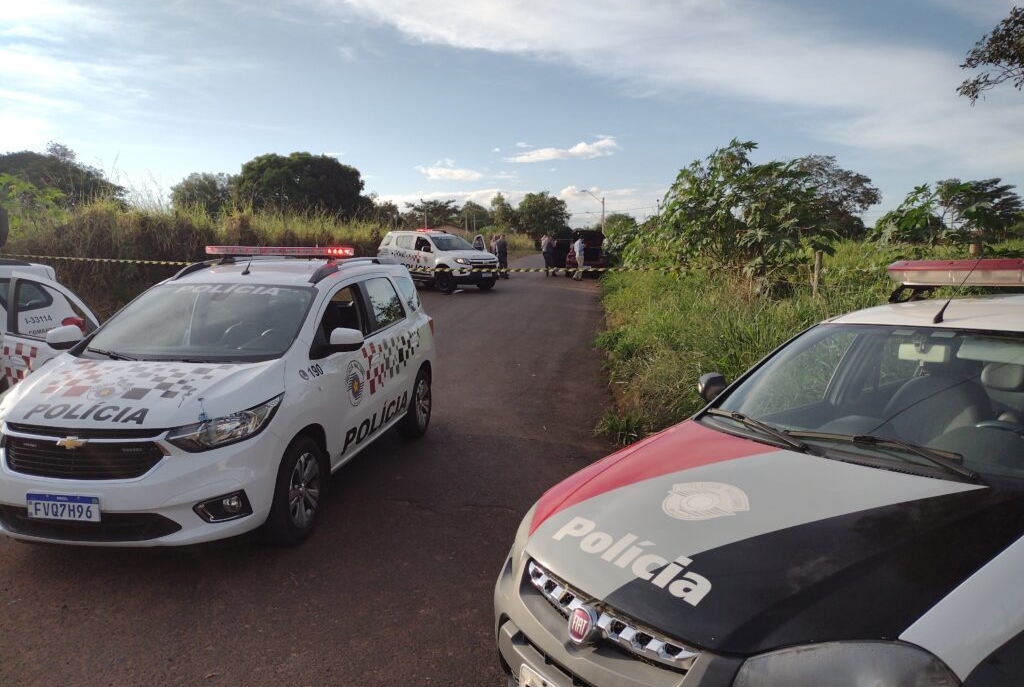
(602, 147)
(523, 144)
(797, 58)
(445, 170)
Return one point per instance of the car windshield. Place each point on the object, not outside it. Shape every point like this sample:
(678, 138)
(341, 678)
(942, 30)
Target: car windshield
(452, 242)
(205, 323)
(849, 388)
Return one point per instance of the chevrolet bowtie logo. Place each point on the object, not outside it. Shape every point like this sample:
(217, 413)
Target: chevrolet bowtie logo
(71, 442)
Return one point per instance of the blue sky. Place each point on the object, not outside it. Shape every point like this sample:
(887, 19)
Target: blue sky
(439, 99)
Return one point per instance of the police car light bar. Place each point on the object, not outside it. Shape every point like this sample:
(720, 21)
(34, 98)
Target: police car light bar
(285, 251)
(989, 272)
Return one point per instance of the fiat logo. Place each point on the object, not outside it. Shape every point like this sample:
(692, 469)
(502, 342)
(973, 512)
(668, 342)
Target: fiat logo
(583, 625)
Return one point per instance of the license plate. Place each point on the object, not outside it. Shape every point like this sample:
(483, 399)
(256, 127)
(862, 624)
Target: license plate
(528, 677)
(485, 275)
(63, 507)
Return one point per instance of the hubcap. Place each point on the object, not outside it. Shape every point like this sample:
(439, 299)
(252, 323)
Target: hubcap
(422, 403)
(304, 490)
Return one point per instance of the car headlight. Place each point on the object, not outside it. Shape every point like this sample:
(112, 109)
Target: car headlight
(846, 663)
(463, 261)
(221, 431)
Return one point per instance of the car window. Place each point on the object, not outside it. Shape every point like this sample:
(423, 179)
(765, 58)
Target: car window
(384, 302)
(30, 296)
(451, 242)
(215, 322)
(409, 293)
(343, 310)
(405, 241)
(388, 238)
(41, 308)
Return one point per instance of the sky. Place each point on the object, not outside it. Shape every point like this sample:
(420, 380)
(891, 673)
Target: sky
(598, 103)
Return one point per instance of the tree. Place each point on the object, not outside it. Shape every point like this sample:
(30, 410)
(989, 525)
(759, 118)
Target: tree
(503, 216)
(759, 219)
(432, 213)
(953, 211)
(59, 169)
(619, 230)
(302, 183)
(1000, 54)
(844, 194)
(475, 215)
(211, 192)
(541, 213)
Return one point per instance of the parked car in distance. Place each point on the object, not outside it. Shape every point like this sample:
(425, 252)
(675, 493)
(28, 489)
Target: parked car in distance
(440, 259)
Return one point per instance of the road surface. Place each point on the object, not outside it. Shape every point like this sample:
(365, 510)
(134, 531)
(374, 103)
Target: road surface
(394, 588)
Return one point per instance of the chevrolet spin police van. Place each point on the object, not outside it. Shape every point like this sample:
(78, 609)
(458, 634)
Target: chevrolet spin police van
(218, 401)
(441, 259)
(39, 305)
(849, 512)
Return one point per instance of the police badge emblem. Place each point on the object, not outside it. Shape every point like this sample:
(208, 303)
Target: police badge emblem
(704, 501)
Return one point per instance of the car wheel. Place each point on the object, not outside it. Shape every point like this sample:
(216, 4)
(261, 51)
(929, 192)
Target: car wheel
(417, 417)
(444, 281)
(484, 285)
(297, 495)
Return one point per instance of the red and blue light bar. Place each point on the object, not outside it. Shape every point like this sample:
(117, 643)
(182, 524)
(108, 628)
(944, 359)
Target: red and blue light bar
(284, 251)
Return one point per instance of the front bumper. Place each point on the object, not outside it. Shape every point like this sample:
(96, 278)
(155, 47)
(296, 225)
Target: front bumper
(530, 632)
(475, 274)
(155, 509)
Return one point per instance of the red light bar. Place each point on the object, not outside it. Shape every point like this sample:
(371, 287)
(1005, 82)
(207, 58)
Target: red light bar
(285, 251)
(989, 272)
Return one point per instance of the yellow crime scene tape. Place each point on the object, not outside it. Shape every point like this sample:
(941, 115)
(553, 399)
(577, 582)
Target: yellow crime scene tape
(172, 263)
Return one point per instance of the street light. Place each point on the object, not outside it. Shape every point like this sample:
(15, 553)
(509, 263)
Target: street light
(587, 191)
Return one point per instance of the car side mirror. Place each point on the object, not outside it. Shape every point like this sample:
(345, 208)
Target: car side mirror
(63, 338)
(345, 339)
(426, 249)
(710, 385)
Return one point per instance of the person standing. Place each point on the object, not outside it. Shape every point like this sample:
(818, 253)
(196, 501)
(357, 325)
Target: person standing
(547, 249)
(579, 249)
(501, 247)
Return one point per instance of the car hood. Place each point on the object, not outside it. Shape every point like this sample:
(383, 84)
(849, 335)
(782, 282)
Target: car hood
(738, 547)
(75, 393)
(471, 254)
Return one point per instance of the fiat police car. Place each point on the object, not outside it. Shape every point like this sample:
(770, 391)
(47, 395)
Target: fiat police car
(441, 259)
(218, 401)
(849, 512)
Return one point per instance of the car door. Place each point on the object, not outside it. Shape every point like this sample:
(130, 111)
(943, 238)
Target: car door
(35, 305)
(388, 348)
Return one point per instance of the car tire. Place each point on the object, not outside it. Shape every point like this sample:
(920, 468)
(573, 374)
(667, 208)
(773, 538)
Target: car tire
(485, 285)
(417, 417)
(298, 494)
(444, 281)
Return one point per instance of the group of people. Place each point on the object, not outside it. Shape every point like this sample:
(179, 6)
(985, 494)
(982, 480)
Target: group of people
(499, 246)
(547, 249)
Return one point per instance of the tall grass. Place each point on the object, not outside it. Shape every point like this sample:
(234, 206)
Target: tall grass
(665, 330)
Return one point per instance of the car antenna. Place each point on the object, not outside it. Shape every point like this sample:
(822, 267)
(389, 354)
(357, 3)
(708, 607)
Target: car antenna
(245, 272)
(942, 311)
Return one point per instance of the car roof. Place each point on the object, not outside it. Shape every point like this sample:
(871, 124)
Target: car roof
(286, 271)
(1004, 312)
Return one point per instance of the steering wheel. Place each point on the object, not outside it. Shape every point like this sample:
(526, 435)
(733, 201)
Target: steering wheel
(270, 339)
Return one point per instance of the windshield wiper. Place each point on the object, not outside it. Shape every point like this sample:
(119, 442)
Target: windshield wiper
(933, 456)
(113, 355)
(763, 428)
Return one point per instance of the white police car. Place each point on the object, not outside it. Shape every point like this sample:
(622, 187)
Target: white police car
(441, 259)
(218, 401)
(849, 512)
(32, 304)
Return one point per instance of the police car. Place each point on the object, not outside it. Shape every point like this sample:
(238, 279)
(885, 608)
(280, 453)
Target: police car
(218, 401)
(31, 304)
(849, 512)
(441, 259)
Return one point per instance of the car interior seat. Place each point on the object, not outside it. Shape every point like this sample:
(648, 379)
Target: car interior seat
(931, 404)
(1005, 383)
(340, 314)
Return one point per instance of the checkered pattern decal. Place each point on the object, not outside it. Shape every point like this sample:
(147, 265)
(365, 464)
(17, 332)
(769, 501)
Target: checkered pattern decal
(388, 358)
(27, 353)
(97, 380)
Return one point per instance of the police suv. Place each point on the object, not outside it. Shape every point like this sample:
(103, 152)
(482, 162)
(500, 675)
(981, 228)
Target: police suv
(441, 259)
(849, 512)
(218, 401)
(31, 304)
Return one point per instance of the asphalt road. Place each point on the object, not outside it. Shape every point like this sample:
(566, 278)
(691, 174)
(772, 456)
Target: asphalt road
(394, 588)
